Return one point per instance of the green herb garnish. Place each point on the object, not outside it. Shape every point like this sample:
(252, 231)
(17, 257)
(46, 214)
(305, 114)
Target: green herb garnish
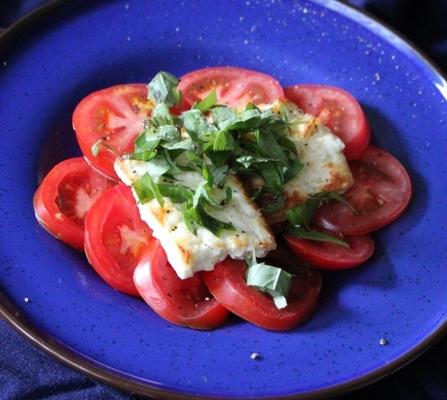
(315, 235)
(208, 102)
(300, 217)
(163, 89)
(269, 279)
(147, 189)
(212, 141)
(96, 147)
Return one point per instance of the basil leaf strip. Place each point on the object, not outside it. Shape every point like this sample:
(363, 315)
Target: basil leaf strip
(208, 102)
(302, 215)
(96, 147)
(161, 115)
(157, 167)
(146, 190)
(163, 89)
(314, 235)
(269, 279)
(195, 122)
(177, 193)
(224, 141)
(198, 216)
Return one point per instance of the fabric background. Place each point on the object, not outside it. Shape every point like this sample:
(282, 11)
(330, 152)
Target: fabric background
(28, 374)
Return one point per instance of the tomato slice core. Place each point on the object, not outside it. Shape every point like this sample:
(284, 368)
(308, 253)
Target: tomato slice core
(65, 196)
(116, 238)
(111, 119)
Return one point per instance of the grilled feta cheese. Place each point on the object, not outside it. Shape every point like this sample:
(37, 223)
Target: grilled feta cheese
(324, 165)
(188, 252)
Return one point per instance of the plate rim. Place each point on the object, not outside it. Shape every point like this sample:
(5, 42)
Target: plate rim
(12, 315)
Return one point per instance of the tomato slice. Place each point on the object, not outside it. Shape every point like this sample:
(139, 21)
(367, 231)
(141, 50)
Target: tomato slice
(338, 110)
(116, 238)
(65, 196)
(380, 194)
(330, 256)
(234, 87)
(228, 285)
(183, 302)
(116, 117)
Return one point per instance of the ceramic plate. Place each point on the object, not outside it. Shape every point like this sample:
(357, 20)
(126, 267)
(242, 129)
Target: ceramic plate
(52, 59)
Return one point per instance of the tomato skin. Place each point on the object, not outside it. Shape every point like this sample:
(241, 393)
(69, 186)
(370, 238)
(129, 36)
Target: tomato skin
(336, 109)
(55, 199)
(182, 302)
(234, 86)
(380, 194)
(115, 114)
(329, 256)
(116, 238)
(227, 283)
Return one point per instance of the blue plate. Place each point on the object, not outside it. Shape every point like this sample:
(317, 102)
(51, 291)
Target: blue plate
(50, 60)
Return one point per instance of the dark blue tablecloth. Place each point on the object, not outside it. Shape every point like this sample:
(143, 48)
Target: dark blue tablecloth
(27, 373)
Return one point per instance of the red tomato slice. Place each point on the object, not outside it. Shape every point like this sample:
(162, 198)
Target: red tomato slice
(338, 110)
(65, 196)
(116, 115)
(330, 256)
(234, 86)
(183, 302)
(227, 283)
(381, 193)
(116, 238)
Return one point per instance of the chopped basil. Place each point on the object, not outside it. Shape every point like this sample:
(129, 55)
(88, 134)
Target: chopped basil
(177, 193)
(186, 144)
(146, 190)
(314, 235)
(292, 170)
(157, 167)
(225, 196)
(198, 194)
(276, 203)
(208, 102)
(147, 141)
(219, 174)
(198, 216)
(272, 175)
(223, 116)
(214, 225)
(219, 158)
(287, 144)
(168, 133)
(269, 147)
(269, 279)
(194, 121)
(161, 115)
(226, 141)
(223, 141)
(163, 89)
(174, 169)
(248, 161)
(96, 147)
(300, 217)
(339, 198)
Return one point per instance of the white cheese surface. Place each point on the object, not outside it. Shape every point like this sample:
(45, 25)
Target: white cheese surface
(325, 167)
(188, 252)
